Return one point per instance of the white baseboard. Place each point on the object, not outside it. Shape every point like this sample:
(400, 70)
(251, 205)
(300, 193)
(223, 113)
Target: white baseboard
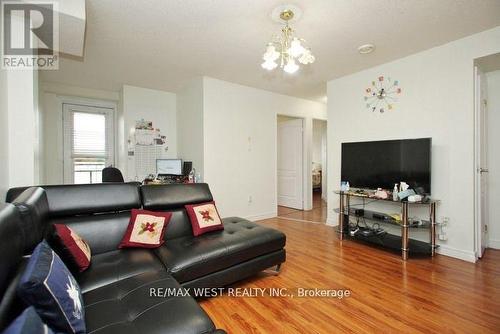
(262, 216)
(468, 256)
(493, 243)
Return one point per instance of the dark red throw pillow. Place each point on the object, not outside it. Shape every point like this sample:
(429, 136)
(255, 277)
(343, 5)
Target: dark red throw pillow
(146, 229)
(73, 250)
(204, 218)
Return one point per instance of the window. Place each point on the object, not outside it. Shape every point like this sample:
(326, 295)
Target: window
(88, 143)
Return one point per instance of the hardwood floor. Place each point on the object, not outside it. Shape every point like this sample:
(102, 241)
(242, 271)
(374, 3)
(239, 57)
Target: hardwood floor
(426, 295)
(316, 215)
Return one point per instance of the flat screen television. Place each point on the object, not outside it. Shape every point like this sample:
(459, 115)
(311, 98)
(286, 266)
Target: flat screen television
(381, 164)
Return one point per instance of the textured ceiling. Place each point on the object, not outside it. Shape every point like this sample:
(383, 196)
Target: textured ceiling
(163, 44)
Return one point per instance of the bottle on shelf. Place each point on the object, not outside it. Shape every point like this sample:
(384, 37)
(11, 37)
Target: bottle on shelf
(395, 193)
(191, 177)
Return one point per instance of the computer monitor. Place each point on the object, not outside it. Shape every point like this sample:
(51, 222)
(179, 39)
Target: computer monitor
(169, 166)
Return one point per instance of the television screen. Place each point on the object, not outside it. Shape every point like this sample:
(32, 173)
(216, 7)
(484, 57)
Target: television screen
(381, 164)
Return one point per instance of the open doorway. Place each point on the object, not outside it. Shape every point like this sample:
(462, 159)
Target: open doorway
(319, 174)
(301, 169)
(487, 156)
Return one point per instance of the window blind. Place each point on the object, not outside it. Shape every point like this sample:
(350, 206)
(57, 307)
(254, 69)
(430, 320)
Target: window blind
(88, 143)
(89, 135)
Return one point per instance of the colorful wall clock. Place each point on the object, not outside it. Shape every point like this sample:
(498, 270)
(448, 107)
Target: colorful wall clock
(382, 94)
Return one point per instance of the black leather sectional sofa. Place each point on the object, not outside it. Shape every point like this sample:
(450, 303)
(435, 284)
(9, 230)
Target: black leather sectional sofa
(116, 287)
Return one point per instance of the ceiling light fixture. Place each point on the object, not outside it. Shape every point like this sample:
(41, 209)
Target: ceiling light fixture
(285, 49)
(366, 48)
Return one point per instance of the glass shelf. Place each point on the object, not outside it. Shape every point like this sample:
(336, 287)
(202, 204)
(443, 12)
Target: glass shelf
(380, 217)
(384, 239)
(370, 195)
(393, 243)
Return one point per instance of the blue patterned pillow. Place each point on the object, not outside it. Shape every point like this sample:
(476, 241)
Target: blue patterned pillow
(28, 323)
(48, 285)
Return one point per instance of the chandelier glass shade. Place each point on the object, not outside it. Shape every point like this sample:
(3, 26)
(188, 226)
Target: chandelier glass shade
(285, 50)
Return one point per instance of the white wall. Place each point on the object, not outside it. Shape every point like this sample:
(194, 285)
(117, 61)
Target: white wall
(240, 126)
(150, 105)
(38, 151)
(4, 144)
(190, 124)
(437, 102)
(493, 79)
(319, 131)
(21, 127)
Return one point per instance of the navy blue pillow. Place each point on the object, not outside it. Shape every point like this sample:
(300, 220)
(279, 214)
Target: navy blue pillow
(49, 286)
(28, 323)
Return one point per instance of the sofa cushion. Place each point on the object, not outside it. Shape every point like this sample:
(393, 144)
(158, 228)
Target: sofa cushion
(188, 258)
(12, 264)
(73, 250)
(11, 246)
(34, 209)
(204, 218)
(49, 286)
(81, 199)
(111, 267)
(102, 232)
(128, 307)
(28, 322)
(173, 197)
(146, 229)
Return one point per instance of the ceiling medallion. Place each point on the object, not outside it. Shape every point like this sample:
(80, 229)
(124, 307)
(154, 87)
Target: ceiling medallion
(381, 95)
(285, 49)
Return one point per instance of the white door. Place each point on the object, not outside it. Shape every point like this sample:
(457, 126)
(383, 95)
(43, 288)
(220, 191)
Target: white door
(290, 164)
(88, 144)
(481, 161)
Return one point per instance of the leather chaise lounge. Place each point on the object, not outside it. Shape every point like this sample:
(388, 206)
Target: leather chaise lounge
(116, 286)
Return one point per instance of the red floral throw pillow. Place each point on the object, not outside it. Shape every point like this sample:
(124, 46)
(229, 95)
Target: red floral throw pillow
(73, 250)
(146, 229)
(204, 218)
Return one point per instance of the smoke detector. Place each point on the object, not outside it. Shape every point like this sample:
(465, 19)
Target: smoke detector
(366, 48)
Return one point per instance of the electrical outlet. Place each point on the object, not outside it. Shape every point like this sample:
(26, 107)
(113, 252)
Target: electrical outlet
(445, 221)
(250, 199)
(442, 228)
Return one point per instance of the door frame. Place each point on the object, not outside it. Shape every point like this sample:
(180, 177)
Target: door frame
(478, 233)
(63, 100)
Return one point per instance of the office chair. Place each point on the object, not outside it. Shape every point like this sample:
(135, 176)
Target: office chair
(112, 174)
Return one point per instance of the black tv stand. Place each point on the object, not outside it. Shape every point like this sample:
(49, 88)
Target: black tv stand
(403, 243)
